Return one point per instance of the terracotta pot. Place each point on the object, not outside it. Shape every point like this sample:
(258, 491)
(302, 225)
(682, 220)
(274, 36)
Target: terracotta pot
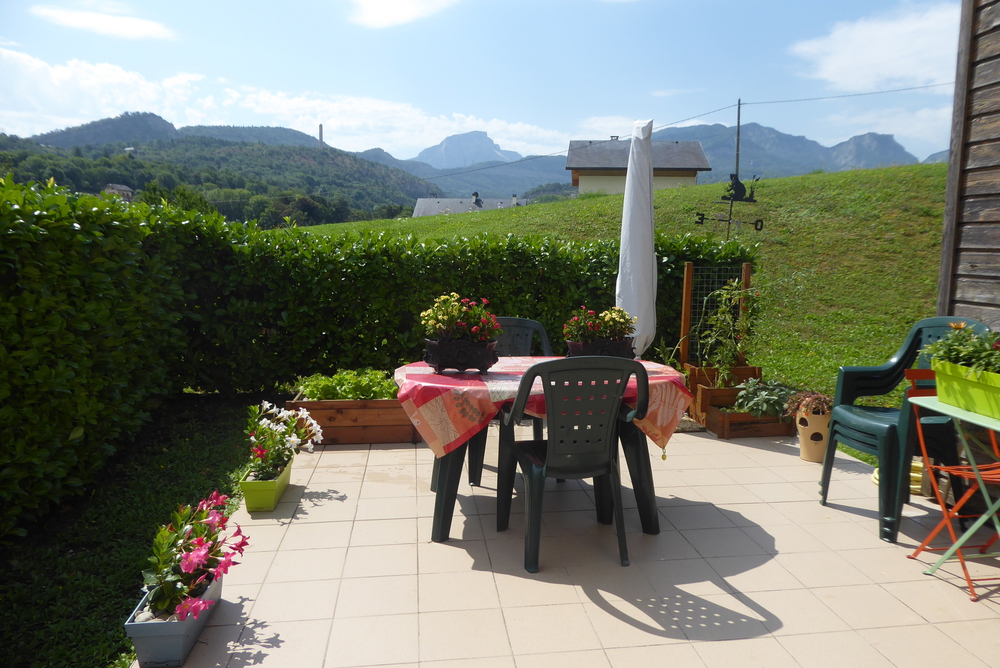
(814, 432)
(602, 347)
(461, 355)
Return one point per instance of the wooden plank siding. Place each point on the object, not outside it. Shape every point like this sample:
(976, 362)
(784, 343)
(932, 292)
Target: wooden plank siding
(969, 282)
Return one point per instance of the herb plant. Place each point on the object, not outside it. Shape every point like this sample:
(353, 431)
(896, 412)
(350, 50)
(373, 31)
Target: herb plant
(362, 384)
(761, 397)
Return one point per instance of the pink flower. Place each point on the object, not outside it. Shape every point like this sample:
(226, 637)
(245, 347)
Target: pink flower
(191, 606)
(475, 329)
(259, 453)
(224, 564)
(193, 560)
(243, 542)
(216, 520)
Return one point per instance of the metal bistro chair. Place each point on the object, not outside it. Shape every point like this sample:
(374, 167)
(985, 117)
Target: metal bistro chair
(517, 340)
(888, 433)
(583, 405)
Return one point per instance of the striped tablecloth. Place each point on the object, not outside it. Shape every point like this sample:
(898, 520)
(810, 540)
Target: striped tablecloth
(447, 409)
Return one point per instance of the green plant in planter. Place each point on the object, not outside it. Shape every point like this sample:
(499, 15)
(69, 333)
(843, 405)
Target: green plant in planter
(816, 403)
(725, 332)
(587, 326)
(276, 435)
(962, 346)
(761, 397)
(454, 318)
(362, 385)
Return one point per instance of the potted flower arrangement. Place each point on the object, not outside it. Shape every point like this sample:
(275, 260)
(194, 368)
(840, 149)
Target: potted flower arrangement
(460, 334)
(276, 435)
(606, 333)
(811, 411)
(354, 406)
(967, 369)
(753, 408)
(190, 556)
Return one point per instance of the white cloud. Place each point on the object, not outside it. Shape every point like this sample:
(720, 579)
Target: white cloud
(913, 46)
(103, 23)
(389, 13)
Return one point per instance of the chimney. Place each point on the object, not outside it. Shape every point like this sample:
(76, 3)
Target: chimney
(321, 135)
(513, 199)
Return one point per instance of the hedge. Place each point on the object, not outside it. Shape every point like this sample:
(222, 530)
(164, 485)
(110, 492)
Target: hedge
(105, 306)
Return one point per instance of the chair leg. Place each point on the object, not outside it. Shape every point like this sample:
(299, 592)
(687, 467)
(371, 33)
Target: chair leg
(534, 488)
(506, 471)
(477, 452)
(536, 429)
(889, 481)
(828, 456)
(616, 487)
(603, 499)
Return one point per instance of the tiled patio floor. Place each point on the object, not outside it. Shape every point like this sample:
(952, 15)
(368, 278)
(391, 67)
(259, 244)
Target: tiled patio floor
(748, 570)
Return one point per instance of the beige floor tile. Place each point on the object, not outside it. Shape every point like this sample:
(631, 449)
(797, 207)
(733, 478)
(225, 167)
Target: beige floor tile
(638, 621)
(746, 653)
(343, 457)
(655, 656)
(979, 637)
(666, 545)
(372, 561)
(588, 659)
(453, 556)
(754, 474)
(833, 650)
(384, 532)
(753, 573)
(722, 542)
(328, 502)
(939, 602)
(235, 606)
(728, 494)
(784, 538)
(482, 662)
(471, 590)
(701, 516)
(550, 587)
(311, 535)
(463, 527)
(867, 606)
(300, 644)
(252, 568)
(923, 645)
(282, 514)
(264, 537)
(700, 477)
(369, 597)
(307, 565)
(389, 481)
(669, 496)
(822, 569)
(886, 564)
(794, 611)
(393, 454)
(811, 512)
(373, 641)
(323, 475)
(387, 508)
(531, 629)
(464, 634)
(844, 535)
(214, 646)
(691, 577)
(293, 601)
(717, 617)
(752, 514)
(775, 492)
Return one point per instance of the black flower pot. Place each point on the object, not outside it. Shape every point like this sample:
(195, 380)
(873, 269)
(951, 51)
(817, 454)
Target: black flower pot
(460, 355)
(602, 347)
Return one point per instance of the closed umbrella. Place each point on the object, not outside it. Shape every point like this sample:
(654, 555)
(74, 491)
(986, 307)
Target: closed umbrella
(635, 290)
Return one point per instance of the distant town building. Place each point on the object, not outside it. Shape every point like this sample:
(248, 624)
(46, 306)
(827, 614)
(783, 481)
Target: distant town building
(119, 190)
(433, 206)
(599, 165)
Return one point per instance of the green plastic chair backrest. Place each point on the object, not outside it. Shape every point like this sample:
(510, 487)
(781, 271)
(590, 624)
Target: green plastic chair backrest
(518, 337)
(883, 379)
(583, 403)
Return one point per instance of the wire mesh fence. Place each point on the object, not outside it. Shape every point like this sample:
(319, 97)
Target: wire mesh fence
(704, 282)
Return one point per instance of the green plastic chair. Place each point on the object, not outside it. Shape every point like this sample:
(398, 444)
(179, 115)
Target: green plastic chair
(888, 433)
(583, 406)
(517, 340)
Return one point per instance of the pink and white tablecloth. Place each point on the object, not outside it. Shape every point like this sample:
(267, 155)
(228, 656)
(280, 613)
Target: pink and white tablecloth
(447, 409)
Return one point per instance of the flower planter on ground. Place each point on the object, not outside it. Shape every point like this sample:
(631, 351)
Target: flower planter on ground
(960, 386)
(705, 375)
(739, 425)
(264, 495)
(352, 421)
(814, 431)
(168, 643)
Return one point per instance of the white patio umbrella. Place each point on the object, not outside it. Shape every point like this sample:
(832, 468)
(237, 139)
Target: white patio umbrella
(635, 290)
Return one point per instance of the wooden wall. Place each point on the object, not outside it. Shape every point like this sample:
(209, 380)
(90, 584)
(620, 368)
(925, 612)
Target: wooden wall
(969, 282)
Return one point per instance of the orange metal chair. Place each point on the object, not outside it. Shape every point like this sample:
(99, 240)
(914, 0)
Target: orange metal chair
(962, 476)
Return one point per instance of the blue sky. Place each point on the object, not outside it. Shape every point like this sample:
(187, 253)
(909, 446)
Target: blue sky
(404, 74)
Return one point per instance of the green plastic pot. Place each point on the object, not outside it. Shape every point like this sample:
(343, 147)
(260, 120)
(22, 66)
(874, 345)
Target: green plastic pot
(962, 387)
(263, 495)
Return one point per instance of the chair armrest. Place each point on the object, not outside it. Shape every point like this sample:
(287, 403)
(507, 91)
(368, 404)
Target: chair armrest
(867, 381)
(516, 412)
(642, 400)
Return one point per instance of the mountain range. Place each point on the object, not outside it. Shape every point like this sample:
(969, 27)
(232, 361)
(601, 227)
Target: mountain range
(472, 161)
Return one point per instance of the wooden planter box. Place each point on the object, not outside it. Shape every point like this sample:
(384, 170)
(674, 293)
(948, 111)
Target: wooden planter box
(739, 425)
(371, 421)
(706, 375)
(706, 410)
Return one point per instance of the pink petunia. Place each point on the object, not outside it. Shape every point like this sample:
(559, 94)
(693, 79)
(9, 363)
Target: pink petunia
(195, 559)
(191, 606)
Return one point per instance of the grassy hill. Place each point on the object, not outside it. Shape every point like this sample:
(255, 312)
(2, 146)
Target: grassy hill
(847, 261)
